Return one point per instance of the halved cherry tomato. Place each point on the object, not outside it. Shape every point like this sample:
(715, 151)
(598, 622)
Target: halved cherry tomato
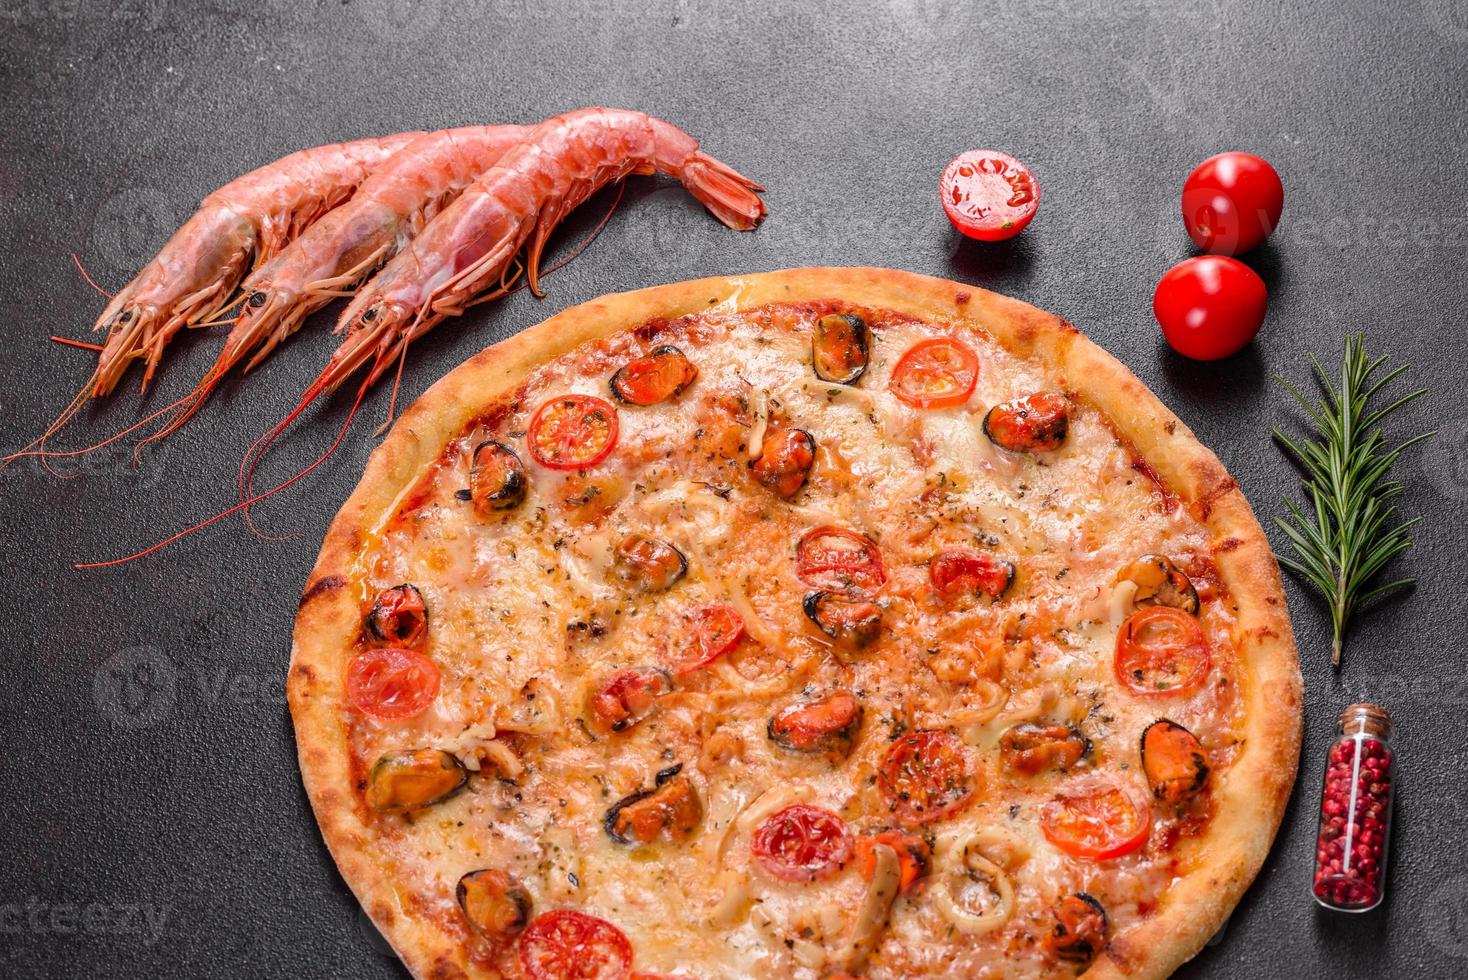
(989, 195)
(913, 857)
(1161, 651)
(568, 945)
(960, 571)
(1231, 202)
(936, 373)
(391, 683)
(838, 560)
(802, 843)
(717, 627)
(925, 776)
(1210, 306)
(661, 375)
(399, 616)
(1097, 819)
(572, 432)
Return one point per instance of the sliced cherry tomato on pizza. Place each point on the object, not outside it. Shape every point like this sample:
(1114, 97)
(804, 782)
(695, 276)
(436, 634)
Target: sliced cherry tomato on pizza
(989, 195)
(399, 616)
(1097, 818)
(716, 628)
(961, 571)
(1161, 651)
(661, 375)
(838, 560)
(802, 843)
(572, 432)
(926, 776)
(936, 373)
(391, 683)
(568, 945)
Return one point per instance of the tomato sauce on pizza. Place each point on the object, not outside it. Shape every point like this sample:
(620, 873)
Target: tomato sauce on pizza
(807, 640)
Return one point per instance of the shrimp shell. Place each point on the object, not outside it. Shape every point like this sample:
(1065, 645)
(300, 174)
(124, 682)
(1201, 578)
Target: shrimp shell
(466, 253)
(336, 253)
(194, 274)
(343, 248)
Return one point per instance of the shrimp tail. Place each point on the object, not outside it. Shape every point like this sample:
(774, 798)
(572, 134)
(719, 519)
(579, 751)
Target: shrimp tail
(729, 195)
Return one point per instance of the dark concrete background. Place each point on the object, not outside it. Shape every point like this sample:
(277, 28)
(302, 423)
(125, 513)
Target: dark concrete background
(147, 762)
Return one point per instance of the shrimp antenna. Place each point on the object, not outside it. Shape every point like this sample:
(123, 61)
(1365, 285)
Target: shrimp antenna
(246, 476)
(187, 406)
(239, 506)
(44, 453)
(82, 269)
(77, 343)
(392, 403)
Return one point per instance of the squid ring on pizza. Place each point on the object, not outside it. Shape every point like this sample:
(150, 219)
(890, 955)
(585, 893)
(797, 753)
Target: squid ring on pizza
(822, 623)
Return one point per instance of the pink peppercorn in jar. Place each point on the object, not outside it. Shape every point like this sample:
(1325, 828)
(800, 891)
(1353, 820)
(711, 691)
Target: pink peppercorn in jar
(1355, 812)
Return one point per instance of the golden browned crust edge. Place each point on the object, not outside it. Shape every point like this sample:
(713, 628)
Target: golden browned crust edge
(1250, 798)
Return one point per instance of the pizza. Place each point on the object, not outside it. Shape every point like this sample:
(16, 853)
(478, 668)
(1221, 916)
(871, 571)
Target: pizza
(823, 623)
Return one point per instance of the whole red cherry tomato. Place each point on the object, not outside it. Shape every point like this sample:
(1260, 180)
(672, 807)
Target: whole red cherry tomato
(989, 195)
(1210, 306)
(1231, 202)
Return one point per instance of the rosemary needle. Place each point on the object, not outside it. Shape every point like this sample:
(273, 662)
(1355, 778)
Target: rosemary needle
(1352, 531)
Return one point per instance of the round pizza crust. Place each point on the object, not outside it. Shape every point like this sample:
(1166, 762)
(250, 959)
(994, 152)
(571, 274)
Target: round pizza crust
(1250, 802)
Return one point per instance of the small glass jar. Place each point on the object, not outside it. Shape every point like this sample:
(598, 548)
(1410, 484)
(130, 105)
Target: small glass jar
(1355, 812)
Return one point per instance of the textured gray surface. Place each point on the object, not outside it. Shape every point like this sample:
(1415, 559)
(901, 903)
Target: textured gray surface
(148, 762)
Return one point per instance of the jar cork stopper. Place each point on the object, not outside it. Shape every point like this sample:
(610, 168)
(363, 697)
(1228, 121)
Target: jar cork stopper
(1366, 718)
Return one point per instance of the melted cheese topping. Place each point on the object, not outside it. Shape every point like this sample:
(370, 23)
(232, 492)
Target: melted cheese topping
(524, 618)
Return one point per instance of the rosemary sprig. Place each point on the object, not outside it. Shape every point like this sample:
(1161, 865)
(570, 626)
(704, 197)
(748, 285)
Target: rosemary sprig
(1353, 532)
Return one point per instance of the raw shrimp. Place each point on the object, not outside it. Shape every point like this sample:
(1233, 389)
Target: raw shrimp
(192, 277)
(348, 244)
(197, 270)
(465, 255)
